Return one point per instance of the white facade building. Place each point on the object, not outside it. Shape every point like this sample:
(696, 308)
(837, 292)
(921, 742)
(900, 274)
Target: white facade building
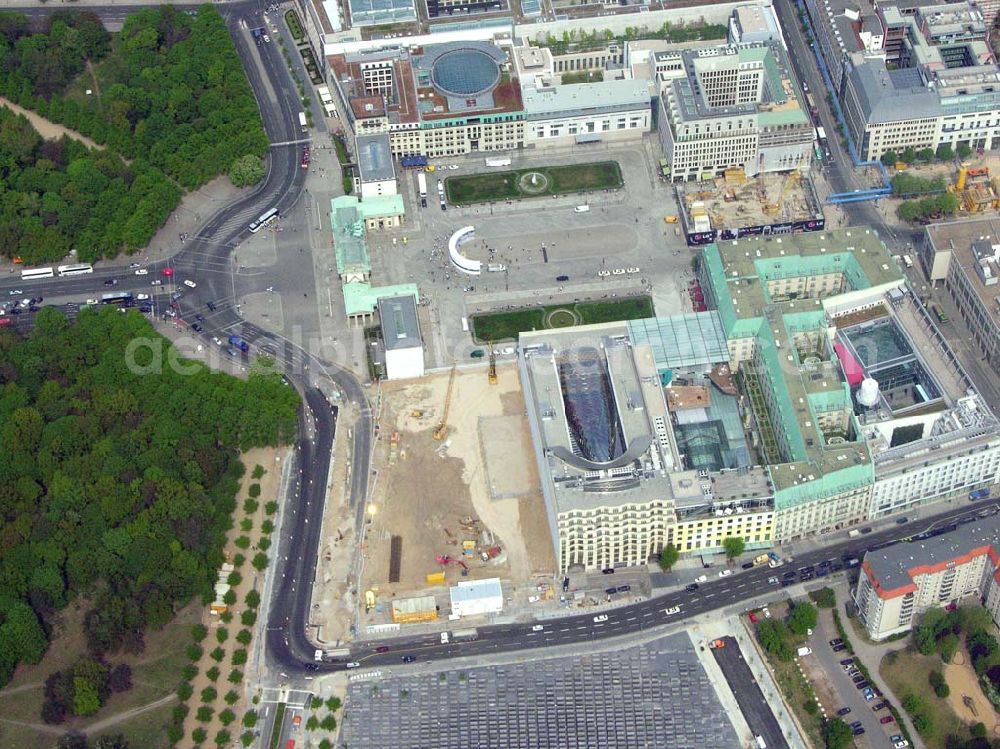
(477, 597)
(376, 173)
(404, 348)
(899, 583)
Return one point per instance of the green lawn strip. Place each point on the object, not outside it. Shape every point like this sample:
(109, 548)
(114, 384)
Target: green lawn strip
(294, 27)
(279, 719)
(505, 326)
(561, 180)
(907, 673)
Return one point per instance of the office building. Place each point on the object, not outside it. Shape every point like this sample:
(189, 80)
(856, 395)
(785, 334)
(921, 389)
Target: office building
(964, 257)
(376, 174)
(935, 82)
(731, 107)
(563, 115)
(404, 347)
(900, 583)
(437, 100)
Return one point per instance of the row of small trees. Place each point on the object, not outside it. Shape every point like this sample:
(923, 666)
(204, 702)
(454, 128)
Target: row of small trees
(944, 152)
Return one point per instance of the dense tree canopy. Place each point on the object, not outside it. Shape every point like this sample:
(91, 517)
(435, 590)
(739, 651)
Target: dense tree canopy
(167, 93)
(117, 476)
(58, 195)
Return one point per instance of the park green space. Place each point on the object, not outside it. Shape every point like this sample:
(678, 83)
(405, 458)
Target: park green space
(534, 182)
(504, 326)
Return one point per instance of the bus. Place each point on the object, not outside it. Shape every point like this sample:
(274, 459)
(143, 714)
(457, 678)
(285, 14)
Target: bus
(302, 121)
(263, 220)
(27, 275)
(116, 297)
(75, 270)
(821, 135)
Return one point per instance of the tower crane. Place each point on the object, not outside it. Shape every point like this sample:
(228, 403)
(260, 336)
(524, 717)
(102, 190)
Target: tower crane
(442, 429)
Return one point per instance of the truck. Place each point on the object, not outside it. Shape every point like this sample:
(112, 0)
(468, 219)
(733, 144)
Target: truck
(235, 340)
(978, 494)
(465, 634)
(907, 261)
(496, 268)
(331, 654)
(498, 162)
(302, 121)
(760, 559)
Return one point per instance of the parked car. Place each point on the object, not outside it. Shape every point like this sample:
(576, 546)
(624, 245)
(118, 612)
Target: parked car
(624, 588)
(886, 720)
(692, 587)
(880, 706)
(608, 571)
(834, 643)
(843, 711)
(847, 662)
(672, 610)
(725, 573)
(862, 685)
(753, 617)
(382, 649)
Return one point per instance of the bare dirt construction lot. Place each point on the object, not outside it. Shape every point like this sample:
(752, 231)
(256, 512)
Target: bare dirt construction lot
(427, 491)
(967, 698)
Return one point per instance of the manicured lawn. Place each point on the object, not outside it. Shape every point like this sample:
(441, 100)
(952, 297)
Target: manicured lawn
(553, 180)
(503, 326)
(907, 673)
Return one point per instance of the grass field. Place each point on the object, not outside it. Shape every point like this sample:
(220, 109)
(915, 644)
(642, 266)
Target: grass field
(553, 180)
(505, 326)
(155, 675)
(907, 673)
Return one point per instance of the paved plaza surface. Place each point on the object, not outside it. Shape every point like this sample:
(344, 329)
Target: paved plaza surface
(651, 695)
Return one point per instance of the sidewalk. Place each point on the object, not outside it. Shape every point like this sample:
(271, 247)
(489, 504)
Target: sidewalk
(871, 655)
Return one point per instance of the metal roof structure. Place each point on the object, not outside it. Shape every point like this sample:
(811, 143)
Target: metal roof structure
(398, 317)
(375, 158)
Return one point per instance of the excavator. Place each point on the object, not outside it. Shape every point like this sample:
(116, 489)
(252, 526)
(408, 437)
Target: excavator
(444, 560)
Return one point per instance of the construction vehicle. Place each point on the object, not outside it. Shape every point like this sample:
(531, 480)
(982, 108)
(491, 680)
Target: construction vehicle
(493, 366)
(442, 429)
(444, 559)
(670, 219)
(491, 553)
(416, 413)
(393, 447)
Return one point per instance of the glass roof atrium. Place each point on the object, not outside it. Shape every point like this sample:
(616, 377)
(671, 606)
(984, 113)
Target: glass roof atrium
(590, 405)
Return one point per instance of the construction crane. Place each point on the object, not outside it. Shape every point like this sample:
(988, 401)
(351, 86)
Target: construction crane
(493, 366)
(442, 429)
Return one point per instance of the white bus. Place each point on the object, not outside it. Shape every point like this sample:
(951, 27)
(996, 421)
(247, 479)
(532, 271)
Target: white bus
(302, 121)
(75, 270)
(27, 275)
(263, 220)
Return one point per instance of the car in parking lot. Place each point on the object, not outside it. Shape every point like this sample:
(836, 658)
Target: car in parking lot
(746, 566)
(859, 731)
(898, 742)
(886, 720)
(210, 305)
(839, 648)
(753, 617)
(847, 662)
(199, 318)
(835, 642)
(880, 706)
(862, 685)
(869, 694)
(843, 711)
(600, 618)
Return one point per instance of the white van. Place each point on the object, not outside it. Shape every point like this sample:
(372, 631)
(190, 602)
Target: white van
(444, 638)
(581, 209)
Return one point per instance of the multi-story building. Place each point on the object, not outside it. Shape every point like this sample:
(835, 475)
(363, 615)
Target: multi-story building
(934, 83)
(376, 174)
(615, 483)
(439, 100)
(561, 115)
(965, 256)
(731, 106)
(900, 583)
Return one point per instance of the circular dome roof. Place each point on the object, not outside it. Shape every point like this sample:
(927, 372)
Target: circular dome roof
(465, 72)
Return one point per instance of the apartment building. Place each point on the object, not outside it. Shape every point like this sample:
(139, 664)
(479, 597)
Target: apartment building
(900, 583)
(730, 106)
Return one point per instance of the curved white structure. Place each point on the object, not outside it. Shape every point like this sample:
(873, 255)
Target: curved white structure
(464, 264)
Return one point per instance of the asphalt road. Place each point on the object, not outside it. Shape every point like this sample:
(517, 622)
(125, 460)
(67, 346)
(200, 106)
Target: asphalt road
(740, 587)
(205, 259)
(749, 697)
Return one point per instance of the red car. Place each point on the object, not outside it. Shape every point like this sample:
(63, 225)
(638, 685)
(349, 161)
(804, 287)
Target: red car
(886, 719)
(167, 272)
(5, 322)
(753, 617)
(305, 159)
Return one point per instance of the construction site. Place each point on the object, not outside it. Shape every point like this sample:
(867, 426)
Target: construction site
(733, 205)
(975, 182)
(456, 498)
